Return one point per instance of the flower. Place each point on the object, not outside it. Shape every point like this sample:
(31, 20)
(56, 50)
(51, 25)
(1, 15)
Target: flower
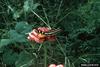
(44, 29)
(51, 37)
(38, 36)
(35, 36)
(60, 65)
(52, 65)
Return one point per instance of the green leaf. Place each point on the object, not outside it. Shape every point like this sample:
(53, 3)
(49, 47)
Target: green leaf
(25, 60)
(26, 6)
(16, 37)
(35, 6)
(4, 42)
(16, 15)
(9, 57)
(23, 27)
(29, 4)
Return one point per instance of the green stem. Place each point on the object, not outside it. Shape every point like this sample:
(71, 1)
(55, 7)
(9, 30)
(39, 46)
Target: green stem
(45, 56)
(40, 47)
(58, 13)
(40, 18)
(46, 16)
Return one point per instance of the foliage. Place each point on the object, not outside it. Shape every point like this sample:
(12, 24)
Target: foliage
(78, 42)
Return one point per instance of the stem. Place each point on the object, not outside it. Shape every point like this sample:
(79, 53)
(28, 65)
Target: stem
(61, 48)
(41, 19)
(65, 62)
(46, 16)
(58, 13)
(40, 47)
(45, 56)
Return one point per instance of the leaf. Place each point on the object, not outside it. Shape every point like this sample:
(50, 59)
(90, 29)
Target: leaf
(4, 42)
(16, 37)
(29, 4)
(24, 60)
(23, 27)
(26, 6)
(35, 6)
(16, 15)
(9, 57)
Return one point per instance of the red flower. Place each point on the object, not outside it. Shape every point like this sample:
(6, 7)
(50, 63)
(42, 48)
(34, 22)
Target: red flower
(38, 37)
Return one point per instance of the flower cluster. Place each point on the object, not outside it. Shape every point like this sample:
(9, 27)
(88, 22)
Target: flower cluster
(38, 35)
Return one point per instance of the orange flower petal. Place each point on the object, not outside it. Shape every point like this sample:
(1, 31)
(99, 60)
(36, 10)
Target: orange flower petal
(41, 36)
(36, 39)
(51, 38)
(44, 29)
(28, 38)
(34, 32)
